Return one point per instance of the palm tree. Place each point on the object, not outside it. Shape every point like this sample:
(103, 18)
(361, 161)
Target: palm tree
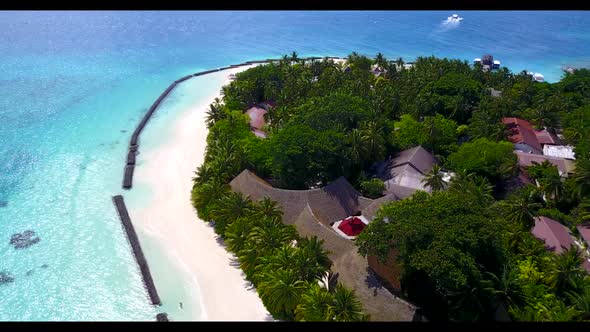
(346, 307)
(472, 185)
(380, 60)
(373, 136)
(461, 179)
(214, 113)
(531, 247)
(236, 234)
(582, 302)
(310, 261)
(582, 176)
(281, 258)
(434, 179)
(314, 246)
(226, 159)
(315, 304)
(467, 303)
(203, 195)
(506, 288)
(203, 173)
(568, 270)
(249, 257)
(509, 168)
(229, 208)
(584, 210)
(280, 291)
(357, 147)
(516, 237)
(294, 57)
(552, 186)
(399, 63)
(521, 207)
(272, 234)
(266, 207)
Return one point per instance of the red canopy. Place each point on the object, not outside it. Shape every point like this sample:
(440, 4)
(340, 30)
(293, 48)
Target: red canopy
(352, 226)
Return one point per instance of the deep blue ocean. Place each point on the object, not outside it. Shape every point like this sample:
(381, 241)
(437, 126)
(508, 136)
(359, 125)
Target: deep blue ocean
(74, 84)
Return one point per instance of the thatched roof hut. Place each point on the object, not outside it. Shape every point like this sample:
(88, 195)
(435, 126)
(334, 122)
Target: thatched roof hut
(312, 212)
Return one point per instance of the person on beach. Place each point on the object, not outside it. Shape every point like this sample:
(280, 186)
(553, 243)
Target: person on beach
(180, 305)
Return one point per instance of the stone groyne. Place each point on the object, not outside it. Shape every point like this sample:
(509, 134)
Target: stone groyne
(137, 252)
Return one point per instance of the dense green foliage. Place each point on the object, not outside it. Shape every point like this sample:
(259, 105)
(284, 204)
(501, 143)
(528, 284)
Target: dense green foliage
(484, 157)
(373, 188)
(466, 250)
(446, 241)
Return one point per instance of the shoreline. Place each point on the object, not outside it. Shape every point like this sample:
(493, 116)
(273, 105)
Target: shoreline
(190, 244)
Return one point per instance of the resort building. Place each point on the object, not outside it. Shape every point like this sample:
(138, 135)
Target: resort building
(565, 167)
(378, 71)
(487, 62)
(559, 151)
(404, 173)
(584, 231)
(526, 138)
(539, 77)
(557, 237)
(335, 214)
(257, 121)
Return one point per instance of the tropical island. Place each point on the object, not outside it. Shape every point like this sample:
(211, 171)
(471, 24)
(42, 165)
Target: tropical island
(369, 189)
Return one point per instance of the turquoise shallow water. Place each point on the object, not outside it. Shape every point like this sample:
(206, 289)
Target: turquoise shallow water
(74, 84)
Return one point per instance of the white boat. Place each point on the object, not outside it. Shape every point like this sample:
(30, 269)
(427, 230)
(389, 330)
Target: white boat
(454, 18)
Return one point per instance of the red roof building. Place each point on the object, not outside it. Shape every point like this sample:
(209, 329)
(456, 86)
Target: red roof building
(521, 132)
(352, 226)
(544, 137)
(556, 236)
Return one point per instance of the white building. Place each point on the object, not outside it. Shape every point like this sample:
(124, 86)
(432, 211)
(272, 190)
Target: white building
(559, 151)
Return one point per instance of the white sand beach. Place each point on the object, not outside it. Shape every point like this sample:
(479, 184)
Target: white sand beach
(172, 222)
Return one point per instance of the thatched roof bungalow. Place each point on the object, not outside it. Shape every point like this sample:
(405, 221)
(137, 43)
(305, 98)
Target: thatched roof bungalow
(313, 212)
(407, 169)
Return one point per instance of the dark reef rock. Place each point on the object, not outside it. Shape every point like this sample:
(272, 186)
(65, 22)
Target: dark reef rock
(44, 266)
(3, 204)
(162, 317)
(29, 273)
(5, 278)
(24, 239)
